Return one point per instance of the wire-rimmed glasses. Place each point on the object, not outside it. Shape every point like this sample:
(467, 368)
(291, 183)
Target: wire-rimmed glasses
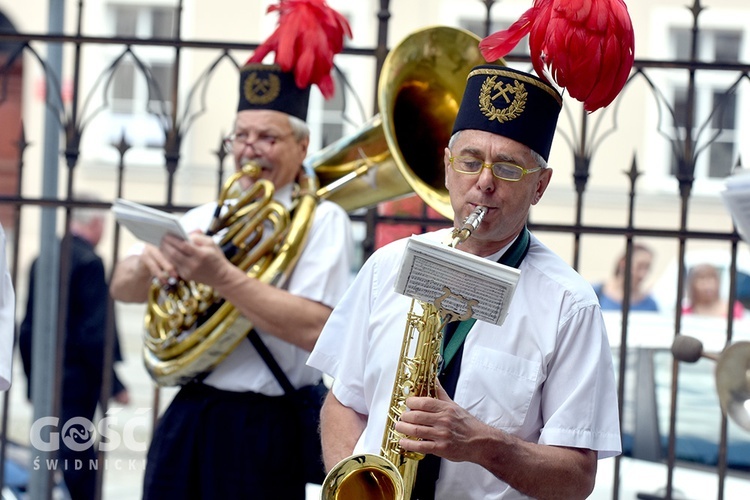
(501, 169)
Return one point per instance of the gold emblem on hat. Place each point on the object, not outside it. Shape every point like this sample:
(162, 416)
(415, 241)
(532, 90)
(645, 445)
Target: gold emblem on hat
(262, 90)
(511, 99)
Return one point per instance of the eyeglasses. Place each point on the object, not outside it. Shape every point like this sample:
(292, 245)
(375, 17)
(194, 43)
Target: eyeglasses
(501, 169)
(262, 142)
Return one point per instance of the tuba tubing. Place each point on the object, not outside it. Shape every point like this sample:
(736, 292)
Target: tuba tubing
(173, 356)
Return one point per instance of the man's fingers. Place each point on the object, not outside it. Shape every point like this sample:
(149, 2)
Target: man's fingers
(441, 394)
(157, 264)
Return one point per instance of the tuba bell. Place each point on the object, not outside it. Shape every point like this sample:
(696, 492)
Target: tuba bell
(190, 330)
(400, 150)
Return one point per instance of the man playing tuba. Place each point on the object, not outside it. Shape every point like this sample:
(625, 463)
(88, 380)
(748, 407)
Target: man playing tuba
(235, 432)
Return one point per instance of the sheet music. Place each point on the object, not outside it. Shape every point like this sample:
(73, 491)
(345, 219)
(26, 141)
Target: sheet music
(146, 223)
(736, 198)
(428, 267)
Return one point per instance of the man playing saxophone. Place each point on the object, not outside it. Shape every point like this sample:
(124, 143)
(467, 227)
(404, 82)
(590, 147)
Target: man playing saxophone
(523, 410)
(236, 433)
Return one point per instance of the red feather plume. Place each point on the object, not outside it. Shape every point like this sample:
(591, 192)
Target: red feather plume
(309, 33)
(584, 46)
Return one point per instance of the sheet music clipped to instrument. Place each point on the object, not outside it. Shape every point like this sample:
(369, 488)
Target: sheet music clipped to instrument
(430, 270)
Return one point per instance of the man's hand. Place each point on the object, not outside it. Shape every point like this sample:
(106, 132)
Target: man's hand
(199, 259)
(133, 275)
(440, 427)
(156, 264)
(443, 428)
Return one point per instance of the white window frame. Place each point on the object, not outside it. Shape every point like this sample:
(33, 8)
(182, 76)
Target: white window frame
(359, 73)
(140, 128)
(663, 21)
(453, 13)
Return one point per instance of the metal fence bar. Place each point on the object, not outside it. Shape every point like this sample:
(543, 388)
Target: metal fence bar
(583, 147)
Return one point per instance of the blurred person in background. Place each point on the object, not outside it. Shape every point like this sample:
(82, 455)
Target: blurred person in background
(612, 292)
(704, 294)
(85, 337)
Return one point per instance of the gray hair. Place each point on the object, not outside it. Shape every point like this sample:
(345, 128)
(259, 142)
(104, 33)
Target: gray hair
(85, 215)
(540, 162)
(536, 157)
(299, 128)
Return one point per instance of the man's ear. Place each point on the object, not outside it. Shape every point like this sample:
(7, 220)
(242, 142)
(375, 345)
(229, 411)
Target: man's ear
(447, 161)
(541, 185)
(304, 144)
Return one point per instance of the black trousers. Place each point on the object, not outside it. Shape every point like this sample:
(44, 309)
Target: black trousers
(217, 444)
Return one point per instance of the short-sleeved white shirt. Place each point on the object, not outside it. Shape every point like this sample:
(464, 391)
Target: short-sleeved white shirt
(321, 274)
(7, 317)
(545, 375)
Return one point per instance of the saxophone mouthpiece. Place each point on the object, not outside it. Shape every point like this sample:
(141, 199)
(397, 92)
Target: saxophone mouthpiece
(469, 226)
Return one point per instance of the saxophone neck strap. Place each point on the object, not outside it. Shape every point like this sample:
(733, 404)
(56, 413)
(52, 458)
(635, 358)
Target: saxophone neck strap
(512, 258)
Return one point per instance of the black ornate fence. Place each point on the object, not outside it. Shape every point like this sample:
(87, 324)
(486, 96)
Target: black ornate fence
(688, 134)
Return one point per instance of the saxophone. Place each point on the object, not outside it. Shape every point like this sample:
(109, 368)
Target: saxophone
(391, 474)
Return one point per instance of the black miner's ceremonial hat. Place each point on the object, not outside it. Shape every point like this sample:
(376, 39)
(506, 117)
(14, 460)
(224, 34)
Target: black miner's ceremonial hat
(510, 103)
(266, 86)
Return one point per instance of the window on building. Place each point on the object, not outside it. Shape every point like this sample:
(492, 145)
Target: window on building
(715, 125)
(133, 95)
(332, 116)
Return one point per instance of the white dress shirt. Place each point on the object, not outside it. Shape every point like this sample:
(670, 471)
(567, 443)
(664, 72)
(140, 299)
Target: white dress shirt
(322, 274)
(545, 375)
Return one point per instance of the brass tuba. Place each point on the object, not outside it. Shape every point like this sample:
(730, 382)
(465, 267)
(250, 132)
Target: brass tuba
(400, 150)
(391, 474)
(189, 329)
